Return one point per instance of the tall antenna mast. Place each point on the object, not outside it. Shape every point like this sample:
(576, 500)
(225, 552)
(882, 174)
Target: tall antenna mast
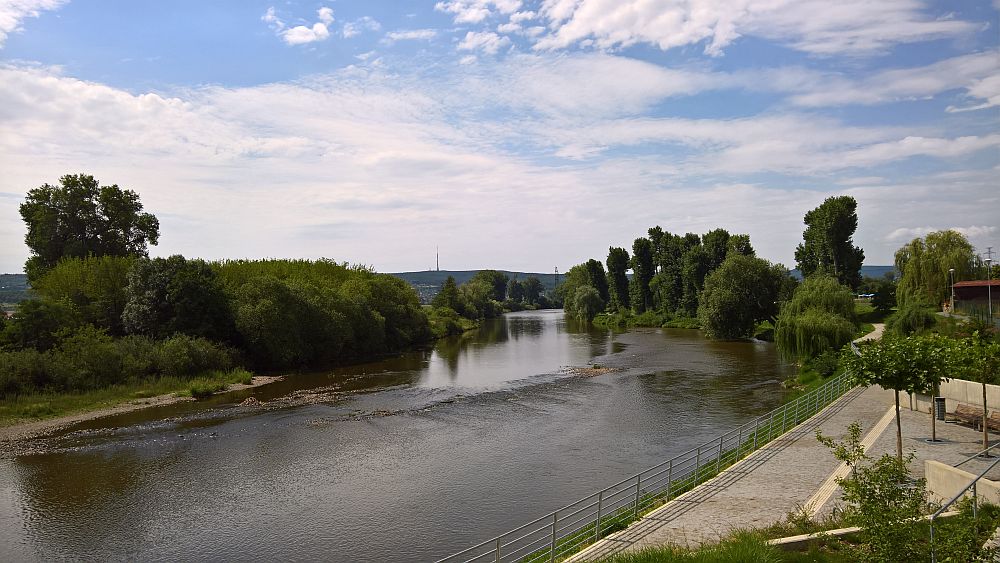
(437, 258)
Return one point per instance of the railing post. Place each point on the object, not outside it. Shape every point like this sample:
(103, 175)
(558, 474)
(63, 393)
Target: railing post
(718, 458)
(670, 479)
(638, 481)
(739, 443)
(552, 542)
(975, 505)
(756, 430)
(697, 465)
(600, 507)
(933, 554)
(497, 559)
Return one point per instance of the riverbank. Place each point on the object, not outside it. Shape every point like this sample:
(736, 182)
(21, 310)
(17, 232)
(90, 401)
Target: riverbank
(54, 412)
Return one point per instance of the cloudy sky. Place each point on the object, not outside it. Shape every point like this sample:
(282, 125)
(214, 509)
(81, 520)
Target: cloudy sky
(513, 134)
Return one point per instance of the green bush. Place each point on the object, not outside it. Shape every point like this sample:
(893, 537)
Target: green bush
(826, 363)
(912, 317)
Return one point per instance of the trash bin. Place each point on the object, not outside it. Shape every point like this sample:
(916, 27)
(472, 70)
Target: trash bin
(939, 407)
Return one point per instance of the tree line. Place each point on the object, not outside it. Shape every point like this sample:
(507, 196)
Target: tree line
(106, 313)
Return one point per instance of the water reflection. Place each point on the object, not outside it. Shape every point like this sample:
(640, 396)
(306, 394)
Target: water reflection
(515, 439)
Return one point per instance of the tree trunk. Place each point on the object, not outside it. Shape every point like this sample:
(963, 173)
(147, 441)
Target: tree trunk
(986, 429)
(934, 394)
(899, 431)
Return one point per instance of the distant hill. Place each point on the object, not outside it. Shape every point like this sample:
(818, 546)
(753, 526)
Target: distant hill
(428, 282)
(13, 288)
(866, 271)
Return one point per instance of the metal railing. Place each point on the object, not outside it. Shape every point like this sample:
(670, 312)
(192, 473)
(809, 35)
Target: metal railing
(566, 531)
(975, 505)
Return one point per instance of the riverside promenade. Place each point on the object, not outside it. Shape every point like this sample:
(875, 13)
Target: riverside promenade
(791, 473)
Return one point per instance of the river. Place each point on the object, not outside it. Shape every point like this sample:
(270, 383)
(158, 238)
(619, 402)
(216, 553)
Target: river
(407, 459)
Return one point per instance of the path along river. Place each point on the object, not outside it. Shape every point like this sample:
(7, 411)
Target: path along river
(407, 459)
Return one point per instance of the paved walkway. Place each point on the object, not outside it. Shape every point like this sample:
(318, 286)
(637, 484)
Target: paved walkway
(789, 473)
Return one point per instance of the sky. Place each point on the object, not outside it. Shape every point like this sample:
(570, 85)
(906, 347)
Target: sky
(511, 134)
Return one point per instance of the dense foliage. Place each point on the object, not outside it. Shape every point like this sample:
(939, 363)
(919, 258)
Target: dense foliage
(80, 218)
(105, 320)
(819, 317)
(827, 245)
(739, 294)
(667, 281)
(924, 266)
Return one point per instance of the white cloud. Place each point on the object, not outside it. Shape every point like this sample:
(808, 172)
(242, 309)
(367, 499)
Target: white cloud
(410, 35)
(365, 23)
(906, 234)
(485, 41)
(325, 15)
(300, 34)
(418, 160)
(820, 27)
(977, 73)
(987, 89)
(13, 12)
(475, 11)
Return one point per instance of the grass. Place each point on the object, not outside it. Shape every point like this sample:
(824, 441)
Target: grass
(740, 547)
(40, 406)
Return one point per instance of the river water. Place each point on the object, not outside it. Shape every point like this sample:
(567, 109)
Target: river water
(407, 459)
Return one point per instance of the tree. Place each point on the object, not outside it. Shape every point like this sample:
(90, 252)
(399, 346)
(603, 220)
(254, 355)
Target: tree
(819, 317)
(617, 277)
(170, 295)
(924, 266)
(740, 244)
(696, 264)
(916, 364)
(716, 243)
(885, 295)
(738, 295)
(515, 291)
(827, 245)
(448, 296)
(980, 362)
(532, 290)
(496, 280)
(642, 273)
(95, 286)
(38, 324)
(882, 498)
(587, 302)
(598, 278)
(79, 218)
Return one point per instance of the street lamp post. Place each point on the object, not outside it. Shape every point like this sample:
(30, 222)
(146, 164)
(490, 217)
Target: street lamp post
(951, 273)
(989, 289)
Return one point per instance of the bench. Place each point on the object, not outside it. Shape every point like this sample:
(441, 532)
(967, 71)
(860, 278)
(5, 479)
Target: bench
(968, 414)
(993, 421)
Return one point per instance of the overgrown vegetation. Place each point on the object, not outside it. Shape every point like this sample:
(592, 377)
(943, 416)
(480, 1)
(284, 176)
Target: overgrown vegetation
(819, 317)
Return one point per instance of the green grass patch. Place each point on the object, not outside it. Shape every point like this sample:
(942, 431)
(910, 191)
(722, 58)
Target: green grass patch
(40, 406)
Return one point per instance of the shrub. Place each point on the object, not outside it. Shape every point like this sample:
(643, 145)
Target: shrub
(826, 363)
(912, 317)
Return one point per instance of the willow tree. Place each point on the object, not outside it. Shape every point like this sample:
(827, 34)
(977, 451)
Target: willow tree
(924, 266)
(819, 317)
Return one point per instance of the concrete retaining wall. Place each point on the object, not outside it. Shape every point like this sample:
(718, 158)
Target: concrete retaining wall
(955, 391)
(944, 482)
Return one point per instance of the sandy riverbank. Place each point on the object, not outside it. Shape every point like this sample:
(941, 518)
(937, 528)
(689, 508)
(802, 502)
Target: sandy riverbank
(39, 428)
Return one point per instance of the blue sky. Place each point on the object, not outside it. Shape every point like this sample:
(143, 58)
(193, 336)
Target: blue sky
(513, 134)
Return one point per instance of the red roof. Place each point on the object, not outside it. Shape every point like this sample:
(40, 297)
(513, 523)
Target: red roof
(978, 283)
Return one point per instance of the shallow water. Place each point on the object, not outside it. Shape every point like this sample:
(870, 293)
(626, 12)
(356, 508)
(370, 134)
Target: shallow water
(407, 459)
